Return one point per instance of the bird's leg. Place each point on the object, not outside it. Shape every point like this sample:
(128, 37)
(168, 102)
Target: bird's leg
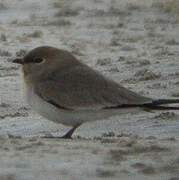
(69, 134)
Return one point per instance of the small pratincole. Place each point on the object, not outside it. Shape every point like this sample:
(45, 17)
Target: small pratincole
(64, 90)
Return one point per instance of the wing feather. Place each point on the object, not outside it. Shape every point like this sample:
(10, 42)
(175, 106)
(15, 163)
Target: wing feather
(81, 87)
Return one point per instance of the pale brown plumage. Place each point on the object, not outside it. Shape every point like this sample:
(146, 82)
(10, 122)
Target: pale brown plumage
(77, 85)
(56, 77)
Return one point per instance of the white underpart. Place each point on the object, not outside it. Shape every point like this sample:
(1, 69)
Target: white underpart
(69, 117)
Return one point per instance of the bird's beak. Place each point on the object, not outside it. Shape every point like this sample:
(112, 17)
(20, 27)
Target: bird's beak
(18, 61)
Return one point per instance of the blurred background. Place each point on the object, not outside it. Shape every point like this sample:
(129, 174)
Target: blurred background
(134, 42)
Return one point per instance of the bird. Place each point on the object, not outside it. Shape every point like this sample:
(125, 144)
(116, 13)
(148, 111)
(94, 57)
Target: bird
(64, 90)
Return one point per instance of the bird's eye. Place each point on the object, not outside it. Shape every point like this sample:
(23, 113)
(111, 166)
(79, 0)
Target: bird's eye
(38, 60)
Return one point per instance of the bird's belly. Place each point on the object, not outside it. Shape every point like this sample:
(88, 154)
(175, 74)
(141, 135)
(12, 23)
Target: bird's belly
(69, 117)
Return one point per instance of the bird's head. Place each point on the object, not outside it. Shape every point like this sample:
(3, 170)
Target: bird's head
(43, 61)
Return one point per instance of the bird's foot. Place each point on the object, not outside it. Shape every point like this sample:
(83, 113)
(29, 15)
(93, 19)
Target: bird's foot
(68, 135)
(48, 135)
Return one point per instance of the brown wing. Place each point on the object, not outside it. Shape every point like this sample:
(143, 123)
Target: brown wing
(80, 87)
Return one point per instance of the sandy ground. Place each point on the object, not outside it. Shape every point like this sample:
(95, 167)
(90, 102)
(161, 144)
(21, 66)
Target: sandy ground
(136, 43)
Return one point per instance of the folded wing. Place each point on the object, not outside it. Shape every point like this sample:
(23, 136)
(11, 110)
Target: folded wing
(80, 87)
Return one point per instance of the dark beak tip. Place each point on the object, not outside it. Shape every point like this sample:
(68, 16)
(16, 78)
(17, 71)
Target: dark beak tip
(18, 61)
